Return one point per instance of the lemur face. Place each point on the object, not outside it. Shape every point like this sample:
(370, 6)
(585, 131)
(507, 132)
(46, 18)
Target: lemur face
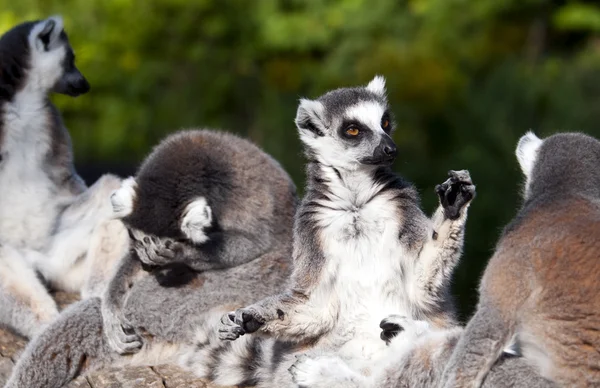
(349, 127)
(39, 57)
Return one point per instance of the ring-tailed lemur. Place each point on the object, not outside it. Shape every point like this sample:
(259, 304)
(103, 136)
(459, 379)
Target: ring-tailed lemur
(204, 200)
(362, 246)
(541, 286)
(47, 216)
(416, 356)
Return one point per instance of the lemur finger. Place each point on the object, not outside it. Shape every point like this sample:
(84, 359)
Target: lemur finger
(248, 319)
(460, 176)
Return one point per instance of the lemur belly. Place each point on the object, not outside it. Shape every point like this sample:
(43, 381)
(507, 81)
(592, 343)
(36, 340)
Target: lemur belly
(28, 202)
(365, 266)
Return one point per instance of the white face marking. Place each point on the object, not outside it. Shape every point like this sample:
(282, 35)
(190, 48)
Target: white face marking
(377, 85)
(196, 217)
(527, 151)
(330, 149)
(368, 113)
(123, 198)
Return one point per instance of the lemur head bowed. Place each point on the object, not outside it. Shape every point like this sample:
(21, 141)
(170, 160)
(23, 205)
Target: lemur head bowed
(349, 127)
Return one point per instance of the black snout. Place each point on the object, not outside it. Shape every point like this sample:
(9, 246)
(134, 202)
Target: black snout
(385, 153)
(72, 83)
(390, 151)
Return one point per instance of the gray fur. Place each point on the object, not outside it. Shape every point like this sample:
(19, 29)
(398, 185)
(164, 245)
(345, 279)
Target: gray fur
(172, 309)
(540, 289)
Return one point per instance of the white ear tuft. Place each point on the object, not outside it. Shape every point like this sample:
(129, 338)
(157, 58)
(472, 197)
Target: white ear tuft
(197, 216)
(527, 150)
(123, 198)
(309, 118)
(46, 33)
(377, 85)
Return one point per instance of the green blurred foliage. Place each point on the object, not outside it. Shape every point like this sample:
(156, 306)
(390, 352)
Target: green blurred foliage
(465, 80)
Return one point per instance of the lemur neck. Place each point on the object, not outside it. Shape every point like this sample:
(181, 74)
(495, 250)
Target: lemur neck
(27, 110)
(352, 187)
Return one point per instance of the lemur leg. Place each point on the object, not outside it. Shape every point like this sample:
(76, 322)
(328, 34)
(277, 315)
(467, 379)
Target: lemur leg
(25, 304)
(108, 245)
(291, 316)
(71, 345)
(66, 266)
(442, 252)
(479, 347)
(120, 334)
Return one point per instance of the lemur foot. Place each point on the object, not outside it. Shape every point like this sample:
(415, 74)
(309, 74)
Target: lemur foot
(153, 250)
(321, 372)
(120, 334)
(228, 329)
(197, 217)
(392, 325)
(456, 193)
(242, 321)
(123, 198)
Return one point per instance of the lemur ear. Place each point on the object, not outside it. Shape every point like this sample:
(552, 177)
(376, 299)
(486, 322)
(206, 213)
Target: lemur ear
(377, 85)
(47, 33)
(527, 151)
(122, 199)
(309, 118)
(197, 217)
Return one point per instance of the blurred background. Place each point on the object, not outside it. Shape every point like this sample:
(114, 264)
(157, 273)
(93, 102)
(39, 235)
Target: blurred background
(465, 80)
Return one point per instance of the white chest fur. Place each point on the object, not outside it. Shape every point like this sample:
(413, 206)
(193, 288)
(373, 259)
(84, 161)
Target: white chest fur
(364, 276)
(28, 202)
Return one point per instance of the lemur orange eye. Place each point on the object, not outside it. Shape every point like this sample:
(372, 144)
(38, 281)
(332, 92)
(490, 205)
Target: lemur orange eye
(385, 124)
(352, 131)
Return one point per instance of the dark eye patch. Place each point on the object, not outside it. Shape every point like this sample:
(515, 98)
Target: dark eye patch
(386, 119)
(364, 130)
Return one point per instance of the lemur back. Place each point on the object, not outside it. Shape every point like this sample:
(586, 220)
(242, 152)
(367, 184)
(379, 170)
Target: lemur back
(37, 178)
(541, 287)
(223, 213)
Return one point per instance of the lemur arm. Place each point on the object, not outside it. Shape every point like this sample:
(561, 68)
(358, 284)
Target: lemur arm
(442, 252)
(224, 249)
(291, 316)
(119, 333)
(306, 310)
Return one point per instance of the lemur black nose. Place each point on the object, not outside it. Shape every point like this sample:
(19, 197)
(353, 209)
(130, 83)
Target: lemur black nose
(390, 150)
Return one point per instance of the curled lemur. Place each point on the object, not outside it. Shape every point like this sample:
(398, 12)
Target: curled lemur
(362, 246)
(416, 356)
(46, 213)
(210, 217)
(199, 200)
(540, 288)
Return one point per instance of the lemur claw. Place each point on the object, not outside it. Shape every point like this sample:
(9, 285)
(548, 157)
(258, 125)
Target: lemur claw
(121, 336)
(455, 193)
